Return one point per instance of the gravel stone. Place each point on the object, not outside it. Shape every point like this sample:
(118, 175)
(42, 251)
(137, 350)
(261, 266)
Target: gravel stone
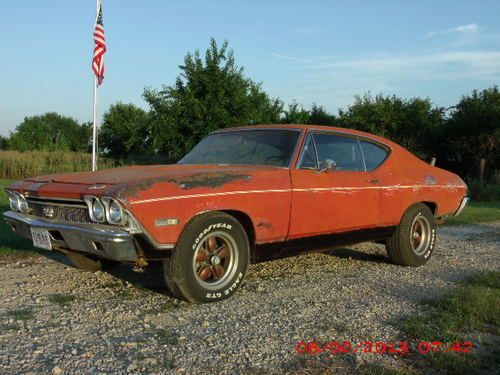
(124, 322)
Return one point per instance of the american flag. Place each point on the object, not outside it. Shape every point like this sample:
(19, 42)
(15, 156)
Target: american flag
(99, 47)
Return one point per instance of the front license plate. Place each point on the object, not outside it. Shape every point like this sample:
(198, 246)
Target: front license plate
(41, 238)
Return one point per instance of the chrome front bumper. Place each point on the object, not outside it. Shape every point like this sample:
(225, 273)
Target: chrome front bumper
(100, 240)
(465, 201)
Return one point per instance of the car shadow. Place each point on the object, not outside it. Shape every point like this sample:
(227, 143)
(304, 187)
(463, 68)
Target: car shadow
(347, 253)
(150, 278)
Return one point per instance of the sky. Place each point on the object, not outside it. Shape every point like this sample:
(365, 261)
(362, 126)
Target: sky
(322, 52)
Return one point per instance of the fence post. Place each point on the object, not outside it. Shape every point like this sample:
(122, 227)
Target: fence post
(480, 177)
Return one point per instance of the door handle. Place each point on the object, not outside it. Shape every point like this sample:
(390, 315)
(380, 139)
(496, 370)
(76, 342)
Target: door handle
(374, 181)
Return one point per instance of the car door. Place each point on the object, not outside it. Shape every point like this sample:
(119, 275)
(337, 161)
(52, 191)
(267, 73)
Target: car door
(338, 199)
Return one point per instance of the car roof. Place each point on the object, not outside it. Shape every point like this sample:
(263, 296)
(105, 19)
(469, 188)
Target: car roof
(382, 140)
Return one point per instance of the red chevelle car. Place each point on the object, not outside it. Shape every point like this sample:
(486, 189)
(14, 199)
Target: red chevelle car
(240, 196)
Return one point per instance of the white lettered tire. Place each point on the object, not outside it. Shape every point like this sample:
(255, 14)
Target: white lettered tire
(210, 259)
(413, 241)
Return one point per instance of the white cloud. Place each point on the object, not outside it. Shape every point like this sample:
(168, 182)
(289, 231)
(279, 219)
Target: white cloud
(462, 29)
(479, 63)
(290, 58)
(331, 79)
(470, 28)
(308, 30)
(471, 60)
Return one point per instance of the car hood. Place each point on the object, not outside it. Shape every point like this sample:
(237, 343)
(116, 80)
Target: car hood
(126, 174)
(136, 182)
(123, 175)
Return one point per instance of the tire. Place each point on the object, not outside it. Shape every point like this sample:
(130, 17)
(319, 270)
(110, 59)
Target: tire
(413, 241)
(90, 264)
(210, 260)
(168, 269)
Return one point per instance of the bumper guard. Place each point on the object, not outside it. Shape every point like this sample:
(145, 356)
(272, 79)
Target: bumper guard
(463, 204)
(100, 240)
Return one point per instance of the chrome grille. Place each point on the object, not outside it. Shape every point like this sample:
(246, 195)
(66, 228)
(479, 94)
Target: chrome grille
(75, 213)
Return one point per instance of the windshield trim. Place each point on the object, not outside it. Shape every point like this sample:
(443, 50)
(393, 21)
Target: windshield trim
(230, 130)
(250, 128)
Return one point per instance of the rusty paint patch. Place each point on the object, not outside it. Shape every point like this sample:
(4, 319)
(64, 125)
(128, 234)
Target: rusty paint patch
(207, 180)
(265, 225)
(211, 180)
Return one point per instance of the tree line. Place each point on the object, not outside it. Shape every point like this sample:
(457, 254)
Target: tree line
(212, 92)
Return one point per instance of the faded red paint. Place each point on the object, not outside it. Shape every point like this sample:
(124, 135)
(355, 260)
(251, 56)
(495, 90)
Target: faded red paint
(282, 203)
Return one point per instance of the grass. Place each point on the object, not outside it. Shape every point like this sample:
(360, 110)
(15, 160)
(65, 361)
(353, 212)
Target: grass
(478, 212)
(10, 243)
(470, 312)
(18, 316)
(166, 337)
(138, 356)
(10, 327)
(62, 300)
(474, 306)
(17, 165)
(21, 314)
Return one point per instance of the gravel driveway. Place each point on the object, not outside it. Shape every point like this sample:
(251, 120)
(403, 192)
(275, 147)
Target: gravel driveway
(57, 319)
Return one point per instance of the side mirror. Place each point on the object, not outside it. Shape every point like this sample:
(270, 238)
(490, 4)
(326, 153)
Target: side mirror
(330, 165)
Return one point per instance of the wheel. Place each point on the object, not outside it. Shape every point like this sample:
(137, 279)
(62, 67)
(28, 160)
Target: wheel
(413, 241)
(90, 264)
(210, 259)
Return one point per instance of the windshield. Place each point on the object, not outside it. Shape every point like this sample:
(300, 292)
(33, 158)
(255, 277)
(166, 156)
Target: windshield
(258, 147)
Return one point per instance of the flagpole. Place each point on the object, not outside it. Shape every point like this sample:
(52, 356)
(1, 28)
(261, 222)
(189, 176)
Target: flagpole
(94, 133)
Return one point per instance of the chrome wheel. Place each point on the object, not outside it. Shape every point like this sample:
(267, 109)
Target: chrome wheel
(420, 235)
(215, 260)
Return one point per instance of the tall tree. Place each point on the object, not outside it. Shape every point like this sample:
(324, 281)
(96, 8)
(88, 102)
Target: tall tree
(4, 143)
(124, 132)
(50, 131)
(320, 116)
(317, 115)
(295, 115)
(412, 123)
(86, 130)
(473, 131)
(210, 93)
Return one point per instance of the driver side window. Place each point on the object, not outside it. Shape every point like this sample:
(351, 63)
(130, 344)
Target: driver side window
(345, 152)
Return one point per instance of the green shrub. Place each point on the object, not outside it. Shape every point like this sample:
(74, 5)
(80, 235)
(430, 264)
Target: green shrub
(17, 165)
(489, 192)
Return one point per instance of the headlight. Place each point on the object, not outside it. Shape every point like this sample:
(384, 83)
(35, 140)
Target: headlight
(115, 213)
(13, 201)
(106, 209)
(98, 210)
(23, 204)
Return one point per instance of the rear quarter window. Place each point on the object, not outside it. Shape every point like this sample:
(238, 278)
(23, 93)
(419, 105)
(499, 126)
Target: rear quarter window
(374, 154)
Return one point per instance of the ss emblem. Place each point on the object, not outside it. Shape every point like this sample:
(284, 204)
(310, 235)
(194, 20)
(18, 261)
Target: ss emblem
(48, 212)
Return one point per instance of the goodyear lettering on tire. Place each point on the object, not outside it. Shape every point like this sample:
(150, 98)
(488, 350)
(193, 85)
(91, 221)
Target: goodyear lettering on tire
(208, 229)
